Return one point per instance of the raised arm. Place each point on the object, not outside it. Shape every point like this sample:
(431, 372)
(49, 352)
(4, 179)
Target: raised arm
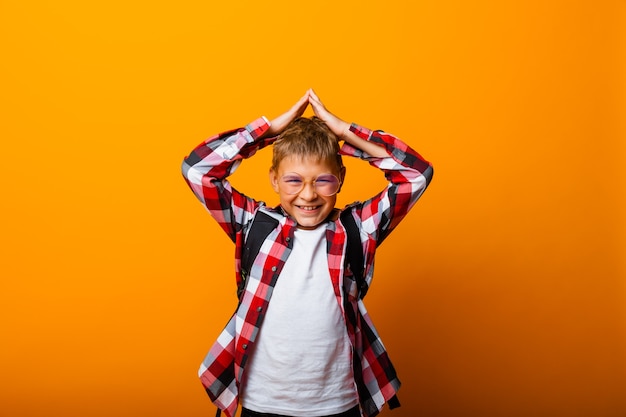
(208, 166)
(407, 172)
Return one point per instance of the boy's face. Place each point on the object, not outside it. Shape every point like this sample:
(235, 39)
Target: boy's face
(309, 207)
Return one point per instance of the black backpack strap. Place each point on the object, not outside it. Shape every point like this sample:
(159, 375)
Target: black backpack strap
(354, 251)
(354, 257)
(262, 225)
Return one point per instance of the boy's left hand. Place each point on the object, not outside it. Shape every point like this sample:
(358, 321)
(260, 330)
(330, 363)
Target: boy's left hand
(336, 125)
(342, 129)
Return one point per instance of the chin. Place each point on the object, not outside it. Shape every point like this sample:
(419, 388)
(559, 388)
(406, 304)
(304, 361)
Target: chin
(308, 224)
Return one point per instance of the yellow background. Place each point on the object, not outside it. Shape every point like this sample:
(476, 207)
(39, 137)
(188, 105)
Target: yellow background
(501, 294)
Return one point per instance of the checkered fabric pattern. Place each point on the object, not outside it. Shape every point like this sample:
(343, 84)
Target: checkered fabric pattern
(206, 170)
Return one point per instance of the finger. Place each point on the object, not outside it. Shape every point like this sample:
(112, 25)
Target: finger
(302, 101)
(315, 102)
(316, 106)
(301, 105)
(312, 93)
(319, 110)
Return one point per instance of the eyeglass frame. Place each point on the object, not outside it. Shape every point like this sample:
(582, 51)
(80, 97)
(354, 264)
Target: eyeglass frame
(314, 182)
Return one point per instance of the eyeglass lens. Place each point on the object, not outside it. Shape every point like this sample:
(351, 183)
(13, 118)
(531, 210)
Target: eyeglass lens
(325, 184)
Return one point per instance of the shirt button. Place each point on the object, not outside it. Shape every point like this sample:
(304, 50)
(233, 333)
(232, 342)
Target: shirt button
(288, 239)
(259, 309)
(244, 346)
(273, 269)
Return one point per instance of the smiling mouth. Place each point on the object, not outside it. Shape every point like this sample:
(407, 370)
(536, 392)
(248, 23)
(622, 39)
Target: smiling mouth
(308, 208)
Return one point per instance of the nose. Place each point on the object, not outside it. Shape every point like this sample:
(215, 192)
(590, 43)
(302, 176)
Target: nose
(308, 191)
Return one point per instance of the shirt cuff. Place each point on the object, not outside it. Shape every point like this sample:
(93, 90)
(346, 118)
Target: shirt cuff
(258, 127)
(360, 131)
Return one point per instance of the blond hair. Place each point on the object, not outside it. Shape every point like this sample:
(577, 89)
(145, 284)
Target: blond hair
(307, 138)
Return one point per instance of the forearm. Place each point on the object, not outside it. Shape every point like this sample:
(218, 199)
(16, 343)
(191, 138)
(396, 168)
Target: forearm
(370, 148)
(218, 156)
(407, 172)
(209, 164)
(374, 145)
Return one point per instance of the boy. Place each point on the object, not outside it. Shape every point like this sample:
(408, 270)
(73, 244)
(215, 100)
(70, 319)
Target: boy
(313, 350)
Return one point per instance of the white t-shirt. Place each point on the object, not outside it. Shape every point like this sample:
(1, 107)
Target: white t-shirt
(302, 358)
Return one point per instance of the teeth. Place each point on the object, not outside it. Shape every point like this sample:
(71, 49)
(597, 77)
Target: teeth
(308, 208)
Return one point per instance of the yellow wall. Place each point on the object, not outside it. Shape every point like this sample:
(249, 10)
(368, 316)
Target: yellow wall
(502, 294)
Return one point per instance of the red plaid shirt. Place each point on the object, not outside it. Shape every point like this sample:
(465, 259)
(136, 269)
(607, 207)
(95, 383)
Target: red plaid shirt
(206, 170)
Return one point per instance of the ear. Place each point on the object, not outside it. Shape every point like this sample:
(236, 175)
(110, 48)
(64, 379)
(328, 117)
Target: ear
(342, 177)
(274, 180)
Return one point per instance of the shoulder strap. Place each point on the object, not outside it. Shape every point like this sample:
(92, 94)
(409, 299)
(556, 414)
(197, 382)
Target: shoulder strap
(354, 257)
(354, 251)
(261, 226)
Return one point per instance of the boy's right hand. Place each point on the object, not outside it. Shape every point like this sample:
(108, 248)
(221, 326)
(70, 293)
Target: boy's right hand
(279, 124)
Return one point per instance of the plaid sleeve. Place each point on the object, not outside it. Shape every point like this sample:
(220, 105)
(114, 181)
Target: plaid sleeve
(408, 173)
(209, 164)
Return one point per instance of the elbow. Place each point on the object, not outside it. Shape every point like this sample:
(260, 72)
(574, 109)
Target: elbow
(184, 168)
(188, 163)
(428, 174)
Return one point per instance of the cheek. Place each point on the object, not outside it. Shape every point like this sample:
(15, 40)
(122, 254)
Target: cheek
(330, 203)
(285, 198)
(332, 200)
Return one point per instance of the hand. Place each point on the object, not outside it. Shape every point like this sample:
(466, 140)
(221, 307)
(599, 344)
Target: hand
(342, 129)
(281, 122)
(336, 125)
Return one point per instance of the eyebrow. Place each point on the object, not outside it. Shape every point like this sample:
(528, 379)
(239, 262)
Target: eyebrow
(300, 175)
